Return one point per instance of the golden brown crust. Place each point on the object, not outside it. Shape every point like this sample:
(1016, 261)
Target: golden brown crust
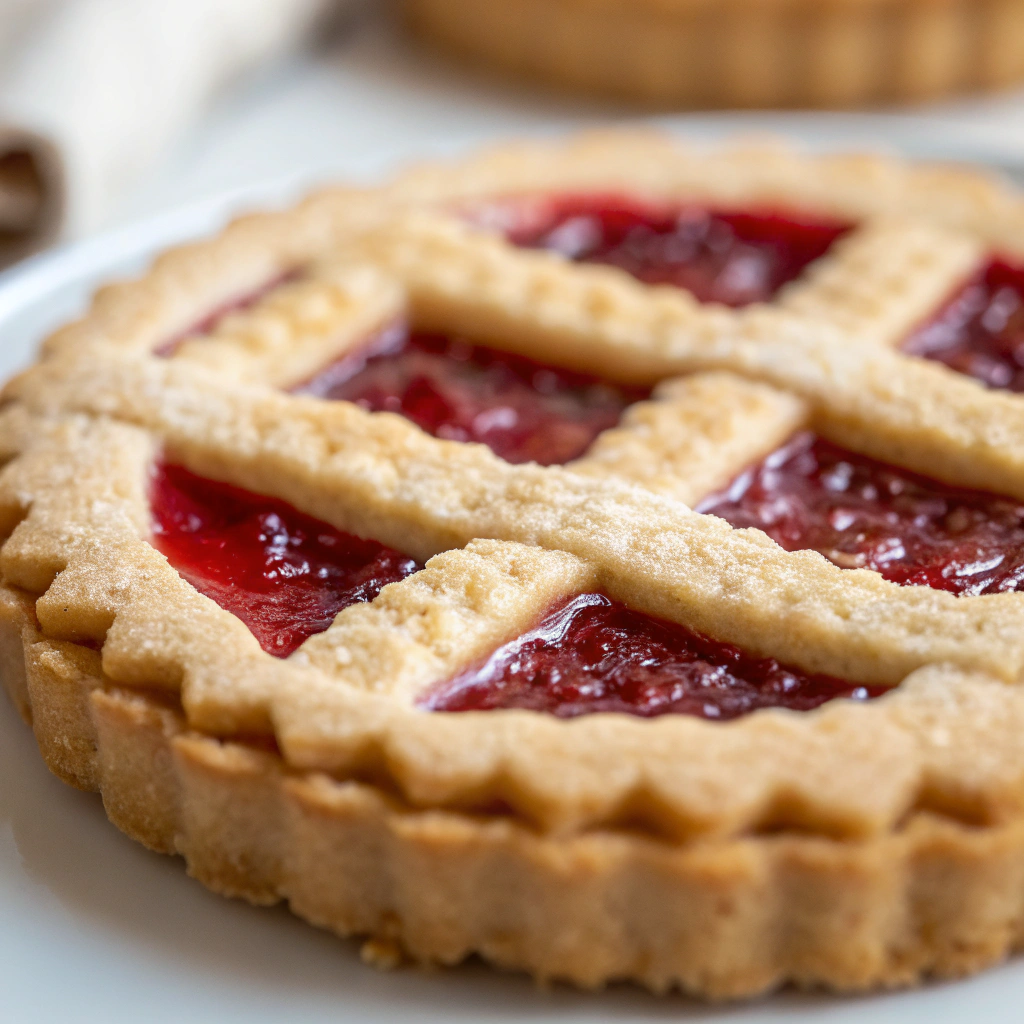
(864, 806)
(721, 918)
(728, 53)
(695, 436)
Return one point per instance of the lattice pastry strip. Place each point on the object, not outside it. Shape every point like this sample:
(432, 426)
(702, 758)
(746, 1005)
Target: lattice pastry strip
(884, 279)
(890, 407)
(697, 434)
(900, 410)
(378, 474)
(656, 443)
(957, 447)
(285, 337)
(877, 283)
(887, 405)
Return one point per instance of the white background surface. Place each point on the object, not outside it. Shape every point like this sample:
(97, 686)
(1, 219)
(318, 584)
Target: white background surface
(95, 929)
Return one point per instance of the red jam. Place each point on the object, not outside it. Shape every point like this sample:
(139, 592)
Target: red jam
(283, 573)
(980, 332)
(860, 513)
(522, 410)
(594, 654)
(719, 256)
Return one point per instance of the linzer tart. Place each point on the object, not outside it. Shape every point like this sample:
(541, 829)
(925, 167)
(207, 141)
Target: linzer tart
(747, 53)
(602, 557)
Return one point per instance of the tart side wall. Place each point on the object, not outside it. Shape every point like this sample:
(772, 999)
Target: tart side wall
(721, 919)
(733, 53)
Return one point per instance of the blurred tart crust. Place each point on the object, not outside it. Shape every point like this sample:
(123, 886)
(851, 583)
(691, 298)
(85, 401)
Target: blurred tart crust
(739, 53)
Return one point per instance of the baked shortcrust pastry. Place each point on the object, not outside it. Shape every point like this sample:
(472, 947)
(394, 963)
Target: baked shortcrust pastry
(600, 556)
(749, 53)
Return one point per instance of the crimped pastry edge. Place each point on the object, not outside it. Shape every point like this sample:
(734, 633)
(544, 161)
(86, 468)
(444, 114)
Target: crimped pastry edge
(721, 920)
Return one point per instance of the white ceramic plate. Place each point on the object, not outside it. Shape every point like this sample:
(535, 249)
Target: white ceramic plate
(93, 928)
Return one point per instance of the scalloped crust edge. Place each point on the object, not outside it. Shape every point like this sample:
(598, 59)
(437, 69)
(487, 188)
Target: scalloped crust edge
(720, 920)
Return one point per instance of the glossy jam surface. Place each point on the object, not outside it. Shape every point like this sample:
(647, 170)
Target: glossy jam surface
(283, 573)
(860, 513)
(733, 258)
(522, 410)
(980, 332)
(594, 654)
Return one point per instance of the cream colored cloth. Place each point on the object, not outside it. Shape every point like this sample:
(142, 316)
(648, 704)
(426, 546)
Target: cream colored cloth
(92, 93)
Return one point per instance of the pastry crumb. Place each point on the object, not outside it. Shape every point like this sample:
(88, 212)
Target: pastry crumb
(384, 954)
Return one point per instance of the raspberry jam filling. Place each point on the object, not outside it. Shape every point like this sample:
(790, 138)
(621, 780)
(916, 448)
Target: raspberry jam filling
(594, 654)
(860, 513)
(524, 411)
(730, 257)
(283, 573)
(980, 332)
